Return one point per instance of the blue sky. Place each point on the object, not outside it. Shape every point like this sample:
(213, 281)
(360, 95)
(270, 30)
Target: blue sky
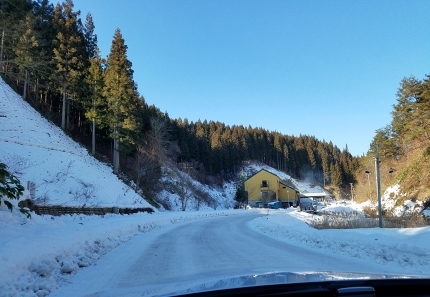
(325, 68)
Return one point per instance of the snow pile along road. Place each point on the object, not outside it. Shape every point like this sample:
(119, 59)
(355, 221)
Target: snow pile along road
(40, 254)
(350, 208)
(404, 250)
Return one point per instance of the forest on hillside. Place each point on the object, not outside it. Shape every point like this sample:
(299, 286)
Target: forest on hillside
(403, 145)
(49, 55)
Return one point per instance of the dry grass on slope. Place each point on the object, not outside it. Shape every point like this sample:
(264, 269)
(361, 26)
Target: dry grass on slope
(411, 172)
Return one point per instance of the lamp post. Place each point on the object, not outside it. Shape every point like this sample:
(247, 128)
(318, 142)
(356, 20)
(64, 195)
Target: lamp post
(368, 182)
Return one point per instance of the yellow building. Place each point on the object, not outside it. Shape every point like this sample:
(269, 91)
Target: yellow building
(264, 187)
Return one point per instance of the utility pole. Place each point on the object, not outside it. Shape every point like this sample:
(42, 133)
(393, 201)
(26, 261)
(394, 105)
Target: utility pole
(378, 186)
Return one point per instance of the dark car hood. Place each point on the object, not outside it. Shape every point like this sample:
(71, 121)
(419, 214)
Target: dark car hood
(247, 280)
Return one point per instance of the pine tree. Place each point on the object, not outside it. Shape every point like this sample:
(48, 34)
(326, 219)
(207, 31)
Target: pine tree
(27, 48)
(44, 13)
(90, 36)
(336, 174)
(12, 12)
(96, 105)
(69, 54)
(124, 104)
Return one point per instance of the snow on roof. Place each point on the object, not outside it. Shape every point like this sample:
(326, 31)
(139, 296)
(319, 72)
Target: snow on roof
(301, 186)
(321, 194)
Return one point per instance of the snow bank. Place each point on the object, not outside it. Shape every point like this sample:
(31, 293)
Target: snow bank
(346, 208)
(393, 201)
(403, 250)
(38, 255)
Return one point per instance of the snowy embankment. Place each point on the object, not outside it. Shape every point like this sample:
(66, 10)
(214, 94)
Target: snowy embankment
(403, 250)
(63, 172)
(38, 255)
(344, 208)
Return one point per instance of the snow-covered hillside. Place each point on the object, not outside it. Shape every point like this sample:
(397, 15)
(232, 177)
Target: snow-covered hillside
(64, 173)
(394, 203)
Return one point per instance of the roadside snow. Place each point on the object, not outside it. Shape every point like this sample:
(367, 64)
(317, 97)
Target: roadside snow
(393, 201)
(38, 255)
(343, 208)
(400, 249)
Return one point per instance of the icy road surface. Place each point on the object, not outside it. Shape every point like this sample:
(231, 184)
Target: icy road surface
(199, 250)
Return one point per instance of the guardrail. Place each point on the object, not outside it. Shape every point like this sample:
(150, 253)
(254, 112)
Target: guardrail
(57, 210)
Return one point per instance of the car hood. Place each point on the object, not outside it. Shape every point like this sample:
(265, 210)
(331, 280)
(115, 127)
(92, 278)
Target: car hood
(246, 280)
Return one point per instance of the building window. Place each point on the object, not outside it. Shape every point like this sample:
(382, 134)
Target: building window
(264, 184)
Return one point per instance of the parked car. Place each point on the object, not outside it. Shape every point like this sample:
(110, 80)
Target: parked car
(308, 205)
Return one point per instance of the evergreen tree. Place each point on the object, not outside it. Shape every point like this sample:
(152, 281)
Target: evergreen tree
(44, 13)
(12, 12)
(411, 121)
(90, 36)
(241, 195)
(124, 104)
(403, 114)
(96, 105)
(26, 49)
(69, 54)
(336, 174)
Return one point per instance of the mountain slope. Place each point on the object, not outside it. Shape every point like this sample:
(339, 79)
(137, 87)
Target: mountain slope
(64, 173)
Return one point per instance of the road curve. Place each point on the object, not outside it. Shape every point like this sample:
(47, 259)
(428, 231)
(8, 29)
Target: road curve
(204, 248)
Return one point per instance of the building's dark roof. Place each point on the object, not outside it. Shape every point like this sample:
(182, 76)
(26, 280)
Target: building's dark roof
(289, 184)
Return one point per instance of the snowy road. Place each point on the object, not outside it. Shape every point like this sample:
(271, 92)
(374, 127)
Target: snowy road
(201, 249)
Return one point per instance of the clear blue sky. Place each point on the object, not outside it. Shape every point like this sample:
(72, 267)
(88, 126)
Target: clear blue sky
(325, 68)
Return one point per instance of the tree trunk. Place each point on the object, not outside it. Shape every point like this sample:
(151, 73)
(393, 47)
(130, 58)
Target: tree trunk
(63, 111)
(1, 51)
(115, 146)
(116, 155)
(24, 95)
(93, 138)
(68, 115)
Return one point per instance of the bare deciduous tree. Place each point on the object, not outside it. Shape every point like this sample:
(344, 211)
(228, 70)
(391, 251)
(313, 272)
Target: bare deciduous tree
(154, 153)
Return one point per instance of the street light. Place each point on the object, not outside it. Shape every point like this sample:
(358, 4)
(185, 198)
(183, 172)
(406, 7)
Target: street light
(352, 193)
(368, 181)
